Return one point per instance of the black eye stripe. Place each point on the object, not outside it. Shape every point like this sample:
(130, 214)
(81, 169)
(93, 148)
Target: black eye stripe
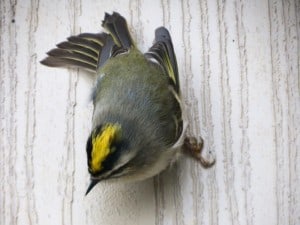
(111, 159)
(109, 162)
(119, 170)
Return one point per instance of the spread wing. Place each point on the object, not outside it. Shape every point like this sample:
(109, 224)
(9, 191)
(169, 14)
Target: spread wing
(90, 51)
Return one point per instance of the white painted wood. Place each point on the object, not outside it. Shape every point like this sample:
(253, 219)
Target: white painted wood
(239, 67)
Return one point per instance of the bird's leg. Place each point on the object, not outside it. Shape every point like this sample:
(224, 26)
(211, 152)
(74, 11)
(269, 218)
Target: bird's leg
(194, 148)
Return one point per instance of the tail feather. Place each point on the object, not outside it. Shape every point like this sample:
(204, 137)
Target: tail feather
(105, 51)
(116, 25)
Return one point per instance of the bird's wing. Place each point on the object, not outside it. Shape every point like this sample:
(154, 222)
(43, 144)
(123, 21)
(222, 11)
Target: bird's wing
(90, 51)
(162, 52)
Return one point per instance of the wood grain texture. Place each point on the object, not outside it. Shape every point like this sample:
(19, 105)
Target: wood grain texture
(239, 64)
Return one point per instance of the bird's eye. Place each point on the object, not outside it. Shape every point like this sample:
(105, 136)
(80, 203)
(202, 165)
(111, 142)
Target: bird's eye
(120, 171)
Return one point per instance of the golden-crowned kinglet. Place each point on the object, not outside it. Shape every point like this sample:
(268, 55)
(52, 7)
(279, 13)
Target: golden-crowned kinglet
(137, 126)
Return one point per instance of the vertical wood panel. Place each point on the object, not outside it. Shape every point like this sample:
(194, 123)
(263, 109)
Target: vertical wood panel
(239, 71)
(9, 200)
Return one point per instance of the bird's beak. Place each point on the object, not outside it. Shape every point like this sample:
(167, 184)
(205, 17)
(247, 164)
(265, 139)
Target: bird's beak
(92, 184)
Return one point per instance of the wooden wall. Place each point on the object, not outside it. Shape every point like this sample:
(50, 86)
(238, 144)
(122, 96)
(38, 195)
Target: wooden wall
(239, 71)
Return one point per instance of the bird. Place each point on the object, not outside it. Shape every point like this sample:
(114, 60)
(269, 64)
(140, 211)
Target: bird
(138, 124)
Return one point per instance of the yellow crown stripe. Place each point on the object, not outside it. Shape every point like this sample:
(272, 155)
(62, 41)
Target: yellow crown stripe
(102, 145)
